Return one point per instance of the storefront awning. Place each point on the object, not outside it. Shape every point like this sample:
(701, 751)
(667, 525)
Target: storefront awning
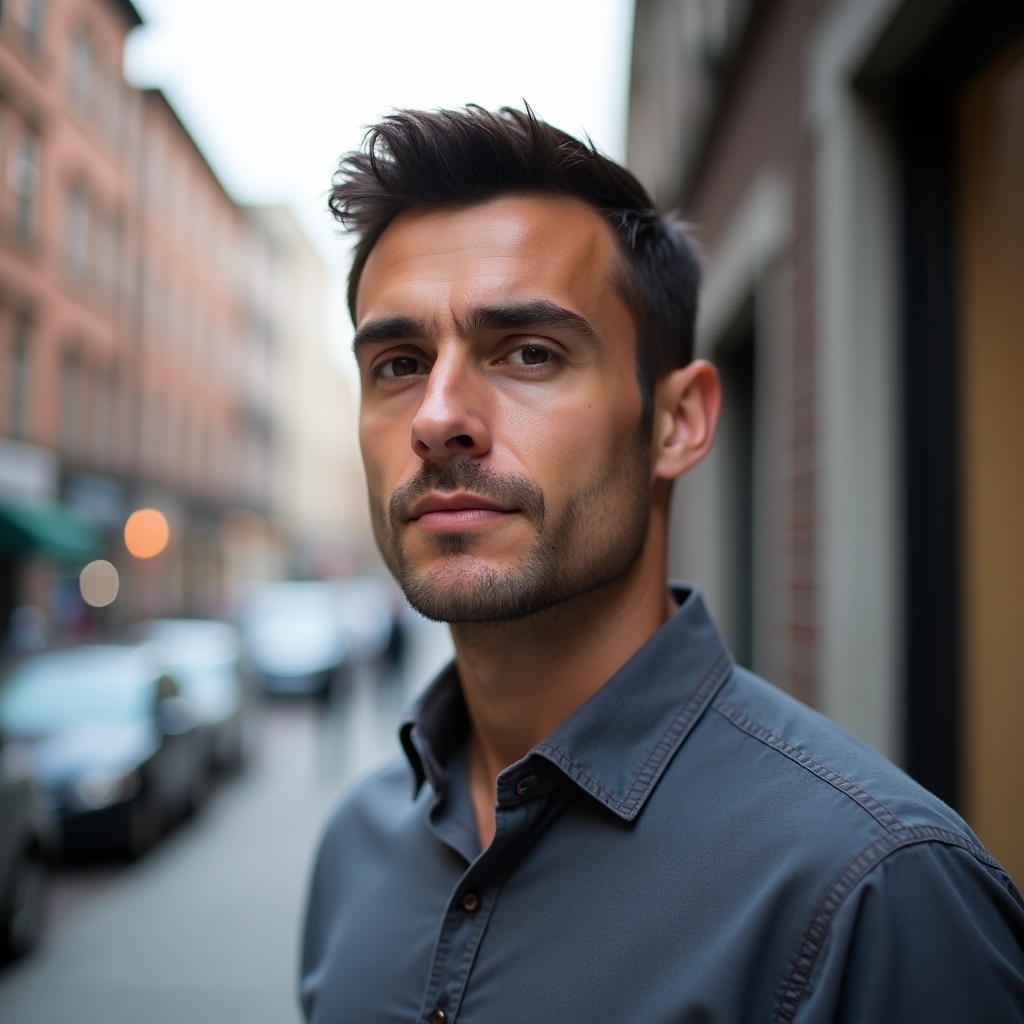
(47, 528)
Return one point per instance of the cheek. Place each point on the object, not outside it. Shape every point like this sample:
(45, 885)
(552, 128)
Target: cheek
(574, 444)
(377, 442)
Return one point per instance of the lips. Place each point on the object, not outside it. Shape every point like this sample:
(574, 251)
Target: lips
(462, 502)
(463, 494)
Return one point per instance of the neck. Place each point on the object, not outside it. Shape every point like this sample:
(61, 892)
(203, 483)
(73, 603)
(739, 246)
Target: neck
(522, 678)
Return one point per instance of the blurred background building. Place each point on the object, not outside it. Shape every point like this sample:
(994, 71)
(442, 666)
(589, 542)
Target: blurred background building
(317, 484)
(854, 170)
(161, 346)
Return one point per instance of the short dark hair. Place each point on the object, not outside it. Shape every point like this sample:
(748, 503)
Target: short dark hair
(456, 158)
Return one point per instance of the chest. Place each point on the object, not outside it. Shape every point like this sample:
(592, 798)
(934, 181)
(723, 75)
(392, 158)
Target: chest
(583, 920)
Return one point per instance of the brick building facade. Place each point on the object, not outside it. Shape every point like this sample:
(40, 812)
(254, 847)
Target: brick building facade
(146, 326)
(848, 167)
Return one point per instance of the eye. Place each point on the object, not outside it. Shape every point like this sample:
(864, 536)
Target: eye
(398, 366)
(530, 355)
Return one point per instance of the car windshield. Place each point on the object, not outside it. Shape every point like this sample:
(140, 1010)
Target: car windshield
(292, 616)
(189, 642)
(52, 692)
(190, 676)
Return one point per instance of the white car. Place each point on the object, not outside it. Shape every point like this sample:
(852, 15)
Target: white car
(203, 656)
(305, 636)
(294, 636)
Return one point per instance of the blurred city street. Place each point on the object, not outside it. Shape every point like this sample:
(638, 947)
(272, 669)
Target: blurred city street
(180, 424)
(205, 927)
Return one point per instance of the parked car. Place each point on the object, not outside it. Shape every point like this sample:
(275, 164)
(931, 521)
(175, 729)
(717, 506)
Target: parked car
(366, 604)
(305, 636)
(112, 744)
(23, 874)
(202, 655)
(294, 637)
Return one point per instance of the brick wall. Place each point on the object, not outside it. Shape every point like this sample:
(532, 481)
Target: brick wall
(761, 124)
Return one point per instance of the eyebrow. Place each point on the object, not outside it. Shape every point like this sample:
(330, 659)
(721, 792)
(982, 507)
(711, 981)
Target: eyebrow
(521, 315)
(389, 328)
(510, 316)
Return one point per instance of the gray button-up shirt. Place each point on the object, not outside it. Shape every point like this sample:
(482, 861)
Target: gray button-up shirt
(690, 846)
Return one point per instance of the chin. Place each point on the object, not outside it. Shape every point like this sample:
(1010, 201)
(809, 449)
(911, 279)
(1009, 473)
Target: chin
(469, 591)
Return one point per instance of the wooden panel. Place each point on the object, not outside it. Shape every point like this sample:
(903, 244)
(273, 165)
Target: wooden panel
(990, 158)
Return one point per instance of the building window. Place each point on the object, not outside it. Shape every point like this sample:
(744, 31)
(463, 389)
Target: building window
(107, 256)
(20, 382)
(154, 305)
(172, 313)
(172, 438)
(76, 233)
(103, 415)
(70, 400)
(25, 184)
(147, 427)
(152, 158)
(115, 107)
(83, 70)
(29, 15)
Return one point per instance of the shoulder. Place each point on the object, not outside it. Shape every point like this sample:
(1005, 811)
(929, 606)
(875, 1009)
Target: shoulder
(821, 765)
(779, 786)
(884, 866)
(932, 931)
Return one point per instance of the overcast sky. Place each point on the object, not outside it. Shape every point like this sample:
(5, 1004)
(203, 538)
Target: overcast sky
(275, 90)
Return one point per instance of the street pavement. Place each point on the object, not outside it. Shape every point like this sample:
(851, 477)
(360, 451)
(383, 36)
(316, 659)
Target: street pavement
(205, 928)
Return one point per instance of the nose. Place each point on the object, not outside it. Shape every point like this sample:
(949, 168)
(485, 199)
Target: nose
(450, 421)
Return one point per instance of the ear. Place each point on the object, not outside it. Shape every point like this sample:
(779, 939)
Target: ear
(686, 405)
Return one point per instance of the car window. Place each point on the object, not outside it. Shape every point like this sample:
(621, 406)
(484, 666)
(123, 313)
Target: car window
(58, 691)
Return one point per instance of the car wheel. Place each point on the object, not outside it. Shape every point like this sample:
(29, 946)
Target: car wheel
(23, 914)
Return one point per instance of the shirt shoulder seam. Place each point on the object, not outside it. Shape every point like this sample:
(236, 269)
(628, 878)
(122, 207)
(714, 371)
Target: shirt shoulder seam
(869, 803)
(796, 981)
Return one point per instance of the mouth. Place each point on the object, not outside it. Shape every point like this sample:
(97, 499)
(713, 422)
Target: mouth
(460, 510)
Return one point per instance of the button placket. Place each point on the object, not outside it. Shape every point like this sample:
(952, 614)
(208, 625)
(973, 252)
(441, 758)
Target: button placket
(471, 904)
(462, 931)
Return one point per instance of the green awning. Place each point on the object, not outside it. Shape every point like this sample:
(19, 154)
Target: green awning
(48, 528)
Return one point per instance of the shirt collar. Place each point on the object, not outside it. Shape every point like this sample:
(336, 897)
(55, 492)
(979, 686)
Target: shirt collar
(617, 744)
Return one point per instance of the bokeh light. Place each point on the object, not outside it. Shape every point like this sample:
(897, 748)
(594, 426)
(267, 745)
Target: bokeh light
(146, 532)
(99, 583)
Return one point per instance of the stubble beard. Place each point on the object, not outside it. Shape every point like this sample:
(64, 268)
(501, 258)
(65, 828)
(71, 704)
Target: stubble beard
(595, 538)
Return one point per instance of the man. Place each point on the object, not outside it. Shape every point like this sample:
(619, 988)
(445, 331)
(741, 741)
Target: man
(599, 817)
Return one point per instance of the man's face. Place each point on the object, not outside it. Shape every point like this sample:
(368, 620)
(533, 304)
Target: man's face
(501, 418)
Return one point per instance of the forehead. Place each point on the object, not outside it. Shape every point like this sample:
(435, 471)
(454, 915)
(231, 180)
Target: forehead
(553, 247)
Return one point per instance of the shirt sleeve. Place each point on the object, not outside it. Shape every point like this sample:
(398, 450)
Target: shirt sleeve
(932, 933)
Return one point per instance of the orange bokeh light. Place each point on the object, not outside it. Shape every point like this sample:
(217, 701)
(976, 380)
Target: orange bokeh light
(146, 533)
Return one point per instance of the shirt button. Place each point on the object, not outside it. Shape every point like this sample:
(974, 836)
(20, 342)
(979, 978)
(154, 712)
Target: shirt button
(527, 784)
(438, 1017)
(470, 903)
